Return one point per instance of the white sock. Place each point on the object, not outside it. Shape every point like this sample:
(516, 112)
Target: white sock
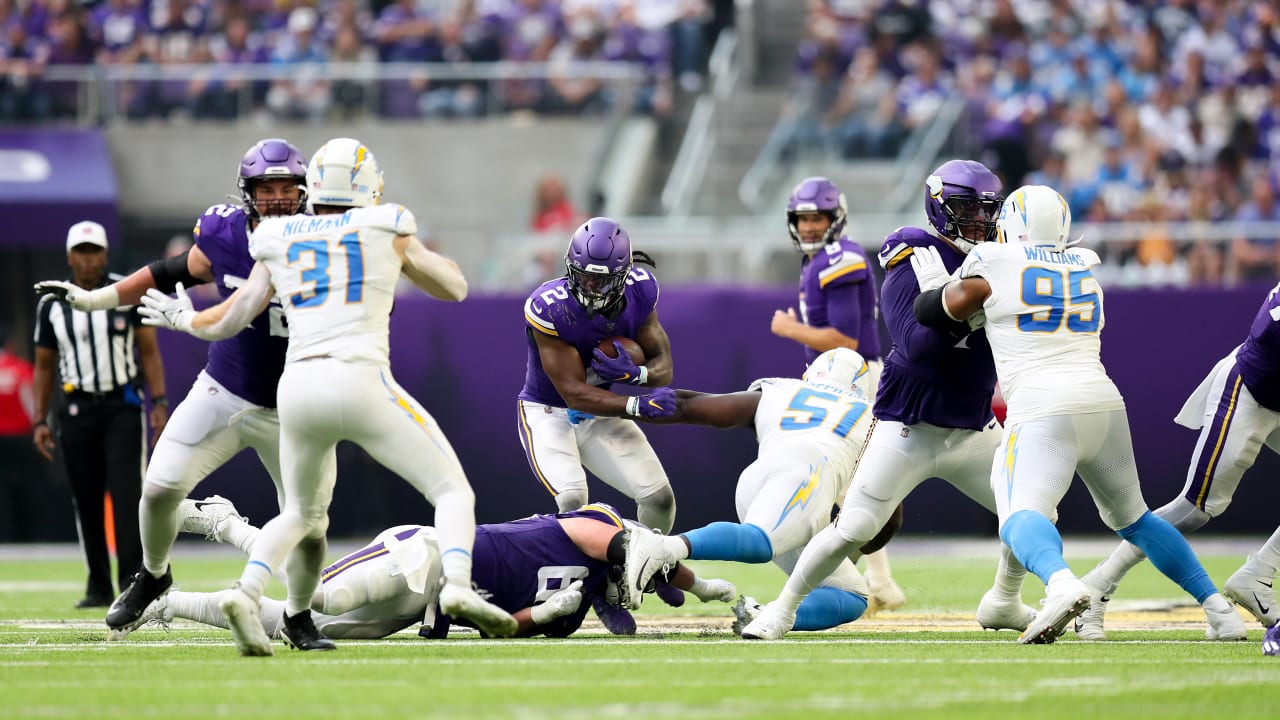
(1112, 570)
(1009, 576)
(200, 607)
(158, 527)
(254, 579)
(1217, 603)
(820, 558)
(1267, 558)
(239, 534)
(455, 535)
(1059, 577)
(878, 571)
(676, 547)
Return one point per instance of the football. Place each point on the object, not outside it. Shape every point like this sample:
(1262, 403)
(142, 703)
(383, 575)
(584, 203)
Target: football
(633, 348)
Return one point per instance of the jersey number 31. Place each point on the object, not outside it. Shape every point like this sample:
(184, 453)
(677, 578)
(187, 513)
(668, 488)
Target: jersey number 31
(318, 274)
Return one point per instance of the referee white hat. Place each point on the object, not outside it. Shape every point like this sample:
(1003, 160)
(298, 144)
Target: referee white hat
(86, 232)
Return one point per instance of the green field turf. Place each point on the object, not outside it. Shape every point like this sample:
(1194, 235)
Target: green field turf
(926, 661)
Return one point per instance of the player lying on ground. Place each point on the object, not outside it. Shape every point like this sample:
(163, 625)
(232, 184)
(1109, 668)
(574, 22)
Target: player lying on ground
(811, 432)
(545, 570)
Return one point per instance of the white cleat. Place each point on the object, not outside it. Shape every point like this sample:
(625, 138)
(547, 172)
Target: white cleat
(1253, 593)
(157, 612)
(885, 595)
(1065, 601)
(1089, 624)
(646, 555)
(1225, 625)
(462, 602)
(245, 621)
(745, 611)
(770, 624)
(206, 517)
(996, 614)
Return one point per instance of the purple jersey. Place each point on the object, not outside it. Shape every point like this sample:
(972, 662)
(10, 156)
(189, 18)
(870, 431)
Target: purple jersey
(1259, 357)
(929, 376)
(523, 562)
(249, 363)
(838, 290)
(552, 310)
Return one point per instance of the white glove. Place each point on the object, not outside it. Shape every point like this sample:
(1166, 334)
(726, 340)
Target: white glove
(79, 298)
(563, 602)
(977, 320)
(160, 310)
(708, 590)
(931, 274)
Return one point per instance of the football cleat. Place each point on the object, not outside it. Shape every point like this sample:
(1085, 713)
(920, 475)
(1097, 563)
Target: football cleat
(143, 591)
(1271, 641)
(884, 595)
(157, 612)
(206, 517)
(1089, 625)
(646, 556)
(1253, 593)
(1225, 625)
(744, 611)
(244, 618)
(300, 633)
(770, 624)
(1065, 600)
(668, 593)
(995, 614)
(615, 618)
(462, 602)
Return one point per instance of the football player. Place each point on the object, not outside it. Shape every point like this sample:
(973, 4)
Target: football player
(232, 404)
(1044, 315)
(811, 432)
(335, 275)
(545, 570)
(932, 411)
(837, 309)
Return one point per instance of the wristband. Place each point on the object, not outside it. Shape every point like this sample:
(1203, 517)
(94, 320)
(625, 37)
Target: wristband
(160, 401)
(106, 298)
(642, 377)
(39, 423)
(633, 406)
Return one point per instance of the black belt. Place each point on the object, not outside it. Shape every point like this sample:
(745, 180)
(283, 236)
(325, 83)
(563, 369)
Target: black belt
(80, 396)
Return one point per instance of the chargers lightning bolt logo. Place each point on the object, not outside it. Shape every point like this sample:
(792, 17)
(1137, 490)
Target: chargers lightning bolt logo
(800, 498)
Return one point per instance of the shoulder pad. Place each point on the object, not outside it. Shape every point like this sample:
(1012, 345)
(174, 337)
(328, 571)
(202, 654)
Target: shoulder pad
(393, 218)
(260, 238)
(899, 244)
(536, 314)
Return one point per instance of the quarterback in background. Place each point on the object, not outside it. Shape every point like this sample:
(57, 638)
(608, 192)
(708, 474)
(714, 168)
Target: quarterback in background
(335, 274)
(1044, 318)
(837, 310)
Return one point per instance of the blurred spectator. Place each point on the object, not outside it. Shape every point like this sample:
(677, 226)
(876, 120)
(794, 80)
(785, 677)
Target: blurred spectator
(23, 97)
(1256, 258)
(304, 95)
(20, 474)
(228, 94)
(863, 119)
(568, 91)
(69, 44)
(552, 210)
(349, 52)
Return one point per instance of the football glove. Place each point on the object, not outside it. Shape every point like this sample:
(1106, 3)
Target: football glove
(577, 416)
(79, 298)
(930, 271)
(619, 369)
(562, 602)
(658, 404)
(160, 310)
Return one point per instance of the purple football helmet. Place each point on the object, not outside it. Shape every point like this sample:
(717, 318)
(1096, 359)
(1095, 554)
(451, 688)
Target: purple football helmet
(267, 160)
(817, 195)
(598, 260)
(962, 199)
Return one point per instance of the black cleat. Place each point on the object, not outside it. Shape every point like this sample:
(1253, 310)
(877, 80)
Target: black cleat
(143, 591)
(93, 601)
(300, 633)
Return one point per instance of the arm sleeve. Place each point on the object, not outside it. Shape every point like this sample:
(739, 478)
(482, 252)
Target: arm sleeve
(897, 302)
(169, 272)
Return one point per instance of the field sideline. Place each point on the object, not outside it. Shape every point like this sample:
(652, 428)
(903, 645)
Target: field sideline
(928, 660)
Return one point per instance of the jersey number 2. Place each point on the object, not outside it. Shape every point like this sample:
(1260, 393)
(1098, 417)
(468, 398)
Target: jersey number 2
(1061, 294)
(318, 273)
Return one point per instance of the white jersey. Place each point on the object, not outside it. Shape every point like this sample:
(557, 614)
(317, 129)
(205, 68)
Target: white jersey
(1044, 323)
(828, 421)
(335, 276)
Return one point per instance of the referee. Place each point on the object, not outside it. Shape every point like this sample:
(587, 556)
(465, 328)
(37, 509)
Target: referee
(100, 422)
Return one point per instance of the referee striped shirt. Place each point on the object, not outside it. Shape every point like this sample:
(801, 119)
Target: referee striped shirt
(95, 349)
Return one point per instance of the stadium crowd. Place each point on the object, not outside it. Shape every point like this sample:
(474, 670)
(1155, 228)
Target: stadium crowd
(665, 38)
(1138, 110)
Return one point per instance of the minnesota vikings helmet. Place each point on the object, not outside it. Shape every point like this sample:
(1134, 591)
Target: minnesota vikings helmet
(598, 260)
(840, 367)
(267, 160)
(817, 195)
(1035, 214)
(343, 172)
(962, 199)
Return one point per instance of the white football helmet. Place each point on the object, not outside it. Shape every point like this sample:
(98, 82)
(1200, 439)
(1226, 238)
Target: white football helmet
(345, 173)
(1035, 214)
(842, 368)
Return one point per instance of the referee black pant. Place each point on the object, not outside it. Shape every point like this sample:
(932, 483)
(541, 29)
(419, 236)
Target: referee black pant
(102, 446)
